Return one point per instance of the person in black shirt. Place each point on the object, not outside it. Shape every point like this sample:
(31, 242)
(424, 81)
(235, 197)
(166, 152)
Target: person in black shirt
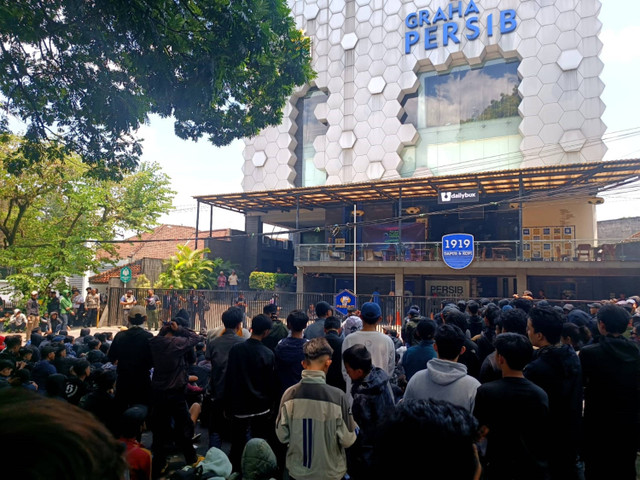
(251, 389)
(611, 376)
(470, 355)
(332, 334)
(556, 369)
(130, 349)
(513, 413)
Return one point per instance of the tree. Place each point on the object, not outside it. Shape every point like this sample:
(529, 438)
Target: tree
(85, 75)
(187, 269)
(54, 217)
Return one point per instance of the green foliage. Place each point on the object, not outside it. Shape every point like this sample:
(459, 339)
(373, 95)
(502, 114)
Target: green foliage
(142, 281)
(506, 107)
(220, 265)
(187, 269)
(49, 211)
(282, 280)
(262, 281)
(269, 281)
(85, 75)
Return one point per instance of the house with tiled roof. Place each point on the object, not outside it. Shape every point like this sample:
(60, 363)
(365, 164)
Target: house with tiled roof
(146, 253)
(160, 243)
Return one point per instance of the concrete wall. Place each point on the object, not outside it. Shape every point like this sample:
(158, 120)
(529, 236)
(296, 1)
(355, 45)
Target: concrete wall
(618, 229)
(576, 213)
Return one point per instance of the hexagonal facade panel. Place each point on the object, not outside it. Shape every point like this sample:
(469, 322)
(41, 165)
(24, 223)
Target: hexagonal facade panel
(373, 59)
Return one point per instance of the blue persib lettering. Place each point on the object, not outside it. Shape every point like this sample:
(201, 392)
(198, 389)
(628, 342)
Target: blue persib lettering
(442, 27)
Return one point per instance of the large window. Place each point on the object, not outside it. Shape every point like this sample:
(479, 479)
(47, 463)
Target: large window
(467, 120)
(307, 175)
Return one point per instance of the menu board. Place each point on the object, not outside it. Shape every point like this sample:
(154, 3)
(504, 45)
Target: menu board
(553, 243)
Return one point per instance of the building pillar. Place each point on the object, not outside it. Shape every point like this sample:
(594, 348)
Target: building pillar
(521, 280)
(399, 281)
(253, 228)
(300, 280)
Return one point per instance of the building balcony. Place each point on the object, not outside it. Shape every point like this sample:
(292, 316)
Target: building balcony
(426, 253)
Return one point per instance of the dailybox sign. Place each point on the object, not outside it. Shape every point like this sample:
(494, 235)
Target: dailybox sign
(458, 196)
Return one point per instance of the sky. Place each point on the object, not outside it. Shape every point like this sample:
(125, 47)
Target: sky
(199, 168)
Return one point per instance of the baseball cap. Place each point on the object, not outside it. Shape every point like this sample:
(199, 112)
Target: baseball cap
(137, 310)
(35, 292)
(594, 305)
(371, 311)
(568, 307)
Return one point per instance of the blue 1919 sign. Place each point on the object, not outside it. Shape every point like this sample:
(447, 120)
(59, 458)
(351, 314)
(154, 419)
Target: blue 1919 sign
(457, 250)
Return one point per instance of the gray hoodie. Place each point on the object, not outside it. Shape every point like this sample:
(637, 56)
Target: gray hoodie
(443, 380)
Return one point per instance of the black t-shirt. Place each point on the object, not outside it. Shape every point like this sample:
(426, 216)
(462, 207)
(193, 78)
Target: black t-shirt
(516, 412)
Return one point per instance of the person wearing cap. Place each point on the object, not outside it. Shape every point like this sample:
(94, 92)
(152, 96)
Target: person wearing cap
(593, 309)
(33, 313)
(130, 351)
(411, 321)
(128, 301)
(316, 329)
(381, 347)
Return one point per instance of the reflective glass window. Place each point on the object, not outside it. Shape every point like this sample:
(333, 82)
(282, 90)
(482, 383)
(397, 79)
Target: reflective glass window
(467, 120)
(309, 127)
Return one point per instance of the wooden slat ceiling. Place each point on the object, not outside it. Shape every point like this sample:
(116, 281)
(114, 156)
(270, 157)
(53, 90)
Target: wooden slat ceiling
(597, 175)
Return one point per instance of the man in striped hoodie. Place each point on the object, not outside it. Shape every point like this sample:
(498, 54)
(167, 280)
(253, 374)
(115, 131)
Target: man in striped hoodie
(315, 420)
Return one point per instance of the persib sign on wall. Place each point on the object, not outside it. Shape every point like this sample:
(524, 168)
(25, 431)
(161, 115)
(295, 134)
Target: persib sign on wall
(435, 29)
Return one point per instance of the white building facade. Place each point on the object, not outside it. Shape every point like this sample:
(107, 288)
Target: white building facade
(434, 87)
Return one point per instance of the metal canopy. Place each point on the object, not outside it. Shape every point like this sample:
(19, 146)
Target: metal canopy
(596, 176)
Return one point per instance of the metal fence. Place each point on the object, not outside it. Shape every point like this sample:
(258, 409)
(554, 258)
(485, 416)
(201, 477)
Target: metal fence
(394, 308)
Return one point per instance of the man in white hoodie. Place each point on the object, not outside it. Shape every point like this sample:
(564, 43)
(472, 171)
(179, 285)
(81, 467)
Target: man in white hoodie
(444, 378)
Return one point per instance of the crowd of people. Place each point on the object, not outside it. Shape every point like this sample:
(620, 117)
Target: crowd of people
(496, 390)
(56, 311)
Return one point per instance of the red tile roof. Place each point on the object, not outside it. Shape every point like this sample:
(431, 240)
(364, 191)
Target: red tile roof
(103, 278)
(160, 243)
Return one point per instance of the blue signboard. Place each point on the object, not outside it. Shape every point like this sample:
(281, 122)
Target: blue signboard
(344, 299)
(457, 250)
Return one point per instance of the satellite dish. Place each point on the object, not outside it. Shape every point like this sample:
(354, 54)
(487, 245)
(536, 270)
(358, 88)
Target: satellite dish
(413, 210)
